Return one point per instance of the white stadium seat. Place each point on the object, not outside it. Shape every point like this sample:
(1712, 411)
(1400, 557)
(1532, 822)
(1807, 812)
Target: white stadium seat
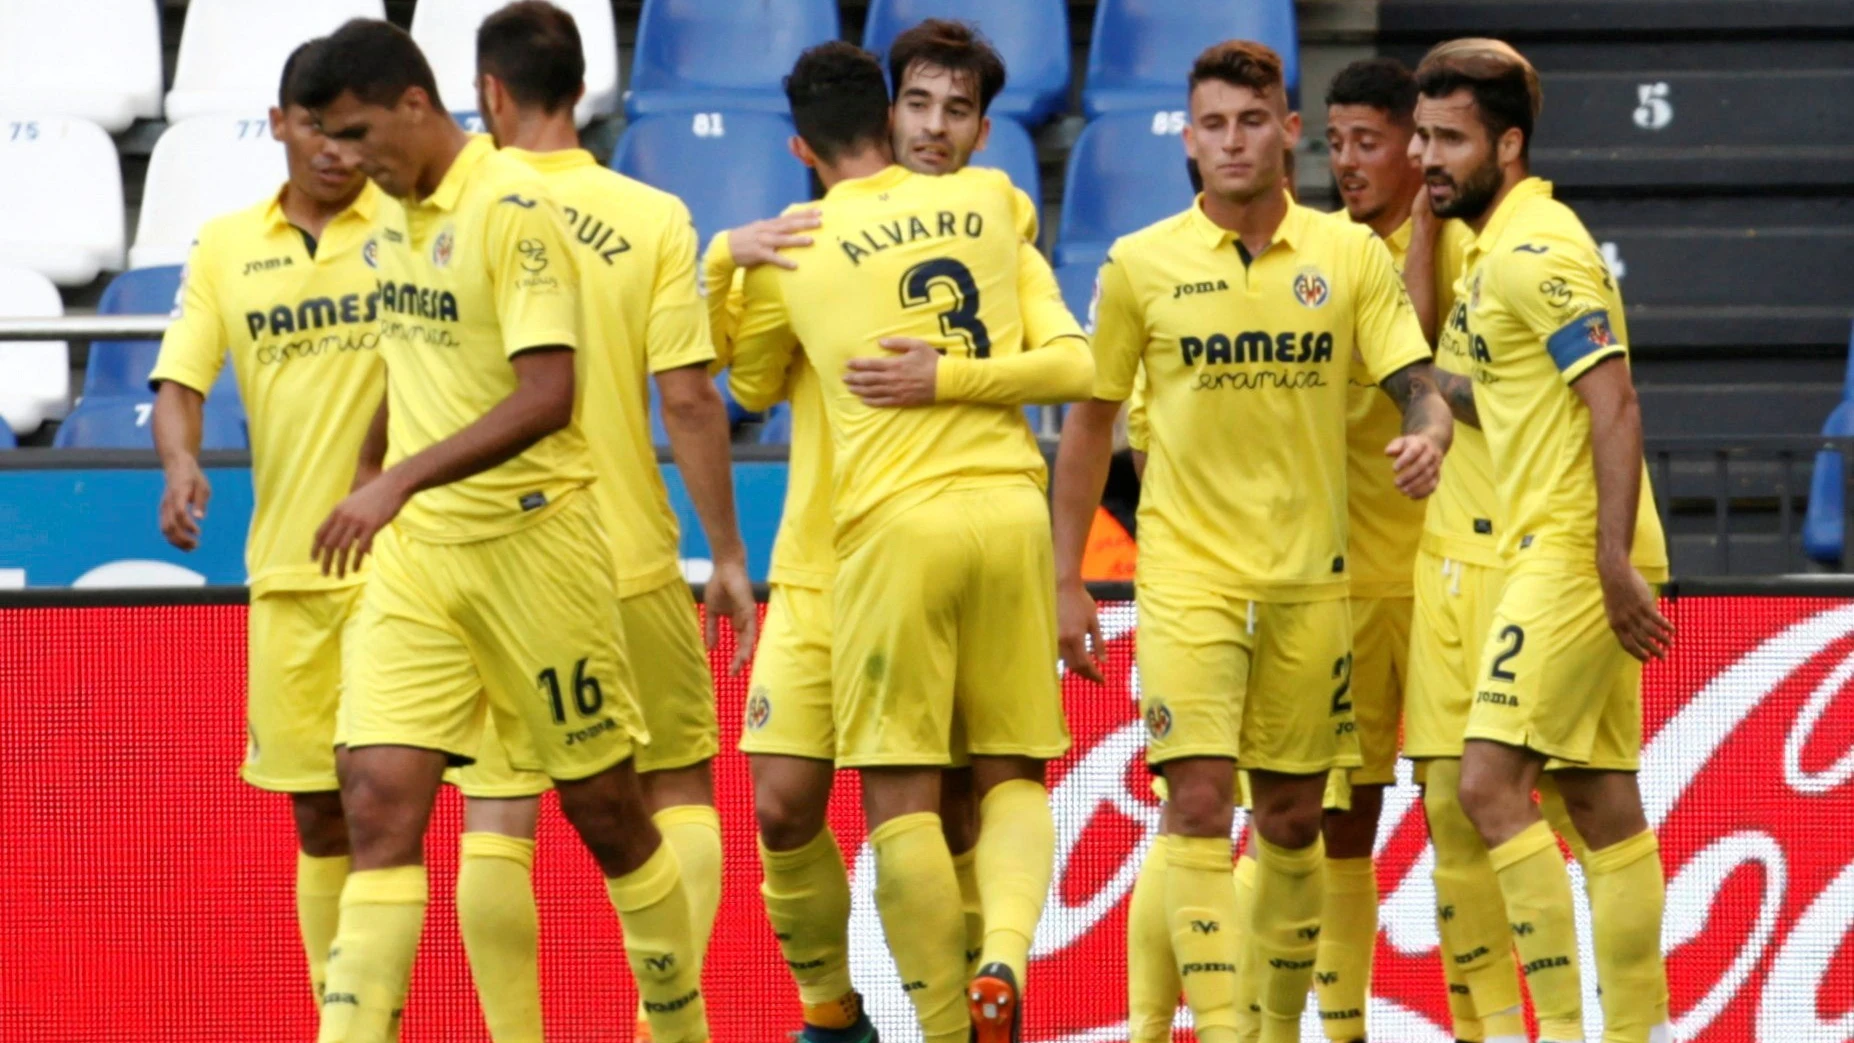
(201, 168)
(35, 375)
(104, 66)
(232, 51)
(63, 184)
(446, 32)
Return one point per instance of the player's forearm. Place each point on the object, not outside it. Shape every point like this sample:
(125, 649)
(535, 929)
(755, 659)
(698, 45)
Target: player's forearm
(1457, 392)
(1061, 371)
(696, 421)
(1082, 461)
(179, 419)
(1425, 412)
(373, 446)
(1616, 452)
(530, 413)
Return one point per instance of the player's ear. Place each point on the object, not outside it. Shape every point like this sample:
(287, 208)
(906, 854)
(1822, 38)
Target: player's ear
(984, 136)
(802, 152)
(276, 123)
(1290, 126)
(1511, 144)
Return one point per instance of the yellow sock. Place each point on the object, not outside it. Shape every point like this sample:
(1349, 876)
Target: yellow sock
(1477, 941)
(917, 895)
(1016, 855)
(318, 910)
(370, 962)
(807, 893)
(660, 946)
(1551, 805)
(1200, 907)
(1348, 936)
(1537, 891)
(965, 867)
(501, 932)
(1289, 890)
(1248, 980)
(1627, 892)
(1152, 971)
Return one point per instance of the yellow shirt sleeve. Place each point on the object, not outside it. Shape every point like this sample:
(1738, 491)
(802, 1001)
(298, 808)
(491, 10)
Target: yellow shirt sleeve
(1055, 365)
(193, 348)
(677, 332)
(1139, 429)
(722, 281)
(1023, 211)
(1561, 291)
(1120, 332)
(532, 271)
(1387, 333)
(765, 344)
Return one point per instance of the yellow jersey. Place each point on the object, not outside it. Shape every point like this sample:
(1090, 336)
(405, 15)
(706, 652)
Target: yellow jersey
(1386, 525)
(640, 312)
(1460, 523)
(471, 275)
(1246, 367)
(300, 321)
(995, 384)
(1542, 311)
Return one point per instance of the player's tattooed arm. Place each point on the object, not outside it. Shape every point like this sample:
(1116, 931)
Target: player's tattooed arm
(1416, 455)
(1458, 391)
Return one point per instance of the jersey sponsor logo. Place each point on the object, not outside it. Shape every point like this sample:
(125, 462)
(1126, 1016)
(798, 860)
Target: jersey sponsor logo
(1258, 346)
(404, 298)
(520, 201)
(312, 314)
(1556, 292)
(441, 248)
(1311, 288)
(1188, 289)
(945, 224)
(314, 347)
(595, 235)
(268, 264)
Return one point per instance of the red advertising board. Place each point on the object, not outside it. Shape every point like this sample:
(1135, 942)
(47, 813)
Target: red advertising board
(146, 893)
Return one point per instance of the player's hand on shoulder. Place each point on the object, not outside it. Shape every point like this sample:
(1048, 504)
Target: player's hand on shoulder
(729, 595)
(345, 538)
(760, 242)
(1633, 612)
(1078, 634)
(183, 503)
(908, 376)
(1417, 461)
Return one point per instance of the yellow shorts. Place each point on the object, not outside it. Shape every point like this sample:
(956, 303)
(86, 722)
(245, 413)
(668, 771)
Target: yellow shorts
(1265, 684)
(945, 616)
(295, 641)
(670, 663)
(1338, 795)
(522, 627)
(491, 776)
(1553, 677)
(1455, 602)
(788, 710)
(1380, 666)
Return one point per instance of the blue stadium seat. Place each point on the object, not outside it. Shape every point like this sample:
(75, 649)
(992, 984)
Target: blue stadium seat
(124, 422)
(778, 427)
(1010, 149)
(1031, 35)
(729, 167)
(7, 441)
(1126, 171)
(1847, 385)
(1143, 49)
(1822, 524)
(120, 367)
(699, 55)
(1077, 283)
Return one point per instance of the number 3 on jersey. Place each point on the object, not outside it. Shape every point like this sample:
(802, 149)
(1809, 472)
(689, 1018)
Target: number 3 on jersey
(961, 320)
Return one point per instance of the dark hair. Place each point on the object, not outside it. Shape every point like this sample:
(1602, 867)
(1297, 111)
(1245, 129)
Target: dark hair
(533, 48)
(954, 46)
(1505, 86)
(289, 85)
(1241, 63)
(375, 61)
(1384, 84)
(839, 99)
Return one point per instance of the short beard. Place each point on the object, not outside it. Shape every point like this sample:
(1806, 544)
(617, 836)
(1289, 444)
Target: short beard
(1475, 194)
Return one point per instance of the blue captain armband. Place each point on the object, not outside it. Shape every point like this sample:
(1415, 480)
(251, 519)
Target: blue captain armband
(1583, 342)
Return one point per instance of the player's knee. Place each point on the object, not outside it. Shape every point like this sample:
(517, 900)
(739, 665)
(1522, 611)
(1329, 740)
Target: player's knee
(1289, 824)
(321, 828)
(787, 820)
(607, 811)
(384, 828)
(1492, 804)
(1351, 834)
(1200, 808)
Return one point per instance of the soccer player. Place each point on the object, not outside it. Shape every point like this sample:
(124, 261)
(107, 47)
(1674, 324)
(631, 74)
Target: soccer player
(940, 598)
(1559, 681)
(492, 590)
(285, 287)
(947, 76)
(642, 317)
(1246, 311)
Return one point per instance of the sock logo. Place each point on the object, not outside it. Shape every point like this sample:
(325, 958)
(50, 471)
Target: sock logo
(663, 963)
(1455, 988)
(1520, 930)
(672, 1006)
(1545, 964)
(972, 955)
(1341, 1015)
(913, 986)
(804, 965)
(1445, 913)
(1462, 959)
(1308, 933)
(1326, 977)
(340, 999)
(1208, 968)
(1289, 965)
(1205, 927)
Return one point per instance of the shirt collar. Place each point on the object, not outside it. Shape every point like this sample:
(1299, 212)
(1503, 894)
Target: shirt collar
(444, 197)
(1399, 239)
(555, 161)
(363, 207)
(1530, 188)
(1291, 231)
(881, 181)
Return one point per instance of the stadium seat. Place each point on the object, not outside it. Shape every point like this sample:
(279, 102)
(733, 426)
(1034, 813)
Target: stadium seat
(777, 430)
(1077, 283)
(1010, 149)
(1822, 523)
(1142, 50)
(125, 422)
(201, 168)
(232, 51)
(104, 66)
(1031, 35)
(68, 170)
(7, 441)
(1126, 171)
(446, 32)
(121, 367)
(729, 167)
(35, 375)
(698, 55)
(1847, 383)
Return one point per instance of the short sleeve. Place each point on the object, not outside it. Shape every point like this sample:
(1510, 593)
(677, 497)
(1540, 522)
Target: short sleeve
(1119, 331)
(1387, 333)
(532, 273)
(193, 348)
(677, 333)
(721, 284)
(1023, 211)
(1561, 292)
(1139, 426)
